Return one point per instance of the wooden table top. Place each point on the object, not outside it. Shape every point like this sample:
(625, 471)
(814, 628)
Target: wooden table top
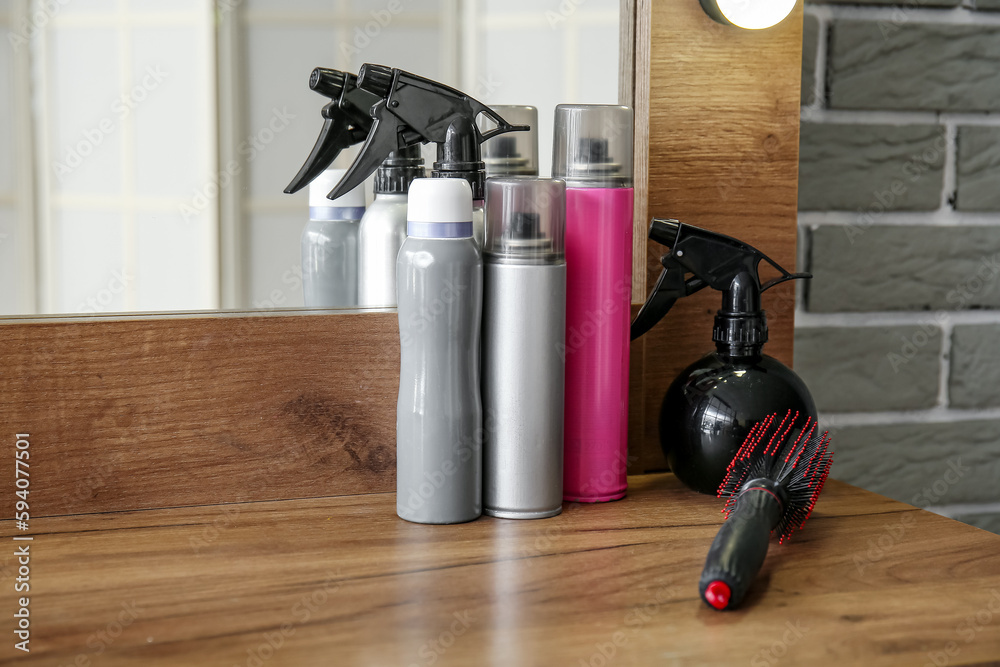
(343, 581)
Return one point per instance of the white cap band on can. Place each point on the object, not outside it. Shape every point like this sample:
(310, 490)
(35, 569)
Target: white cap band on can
(439, 208)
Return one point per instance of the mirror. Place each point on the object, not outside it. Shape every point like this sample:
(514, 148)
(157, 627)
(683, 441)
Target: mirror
(144, 146)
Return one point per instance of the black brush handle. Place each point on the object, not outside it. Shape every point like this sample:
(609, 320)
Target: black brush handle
(739, 549)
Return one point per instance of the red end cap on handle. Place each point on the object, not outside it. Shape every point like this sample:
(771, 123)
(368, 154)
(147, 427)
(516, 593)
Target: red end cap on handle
(717, 594)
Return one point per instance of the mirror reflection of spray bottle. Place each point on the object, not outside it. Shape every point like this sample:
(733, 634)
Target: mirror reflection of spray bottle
(346, 121)
(412, 109)
(330, 245)
(383, 228)
(524, 327)
(593, 154)
(439, 414)
(514, 154)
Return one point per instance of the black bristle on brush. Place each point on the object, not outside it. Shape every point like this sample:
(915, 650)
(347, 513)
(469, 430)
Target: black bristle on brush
(772, 484)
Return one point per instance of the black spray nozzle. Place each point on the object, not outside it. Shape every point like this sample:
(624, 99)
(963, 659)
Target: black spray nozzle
(593, 150)
(526, 226)
(410, 110)
(459, 156)
(346, 121)
(376, 79)
(460, 148)
(524, 235)
(505, 148)
(664, 232)
(699, 258)
(328, 82)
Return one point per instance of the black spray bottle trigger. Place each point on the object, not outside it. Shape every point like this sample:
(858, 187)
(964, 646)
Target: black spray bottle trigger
(346, 121)
(711, 260)
(411, 109)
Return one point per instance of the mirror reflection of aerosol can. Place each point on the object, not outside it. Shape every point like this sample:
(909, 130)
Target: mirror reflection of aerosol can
(330, 244)
(439, 278)
(524, 328)
(593, 154)
(383, 228)
(514, 154)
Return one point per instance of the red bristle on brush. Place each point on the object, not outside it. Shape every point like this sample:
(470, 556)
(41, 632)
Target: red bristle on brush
(771, 486)
(802, 470)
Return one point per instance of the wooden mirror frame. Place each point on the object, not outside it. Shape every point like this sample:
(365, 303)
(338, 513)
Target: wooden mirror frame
(145, 411)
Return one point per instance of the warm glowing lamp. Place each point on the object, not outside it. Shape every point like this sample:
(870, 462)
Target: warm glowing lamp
(749, 14)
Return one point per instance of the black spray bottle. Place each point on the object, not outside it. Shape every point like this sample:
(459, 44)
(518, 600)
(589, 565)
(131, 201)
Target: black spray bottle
(410, 109)
(711, 406)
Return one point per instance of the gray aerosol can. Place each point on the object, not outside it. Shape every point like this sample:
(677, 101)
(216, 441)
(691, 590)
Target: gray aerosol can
(439, 415)
(330, 244)
(383, 228)
(524, 326)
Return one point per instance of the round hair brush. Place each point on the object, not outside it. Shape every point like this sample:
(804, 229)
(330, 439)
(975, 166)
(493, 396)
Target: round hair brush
(772, 485)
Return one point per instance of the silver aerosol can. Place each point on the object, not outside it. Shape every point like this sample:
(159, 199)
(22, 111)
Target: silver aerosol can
(330, 244)
(524, 327)
(383, 228)
(514, 154)
(439, 279)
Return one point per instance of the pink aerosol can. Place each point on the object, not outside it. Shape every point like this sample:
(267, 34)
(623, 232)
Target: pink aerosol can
(593, 154)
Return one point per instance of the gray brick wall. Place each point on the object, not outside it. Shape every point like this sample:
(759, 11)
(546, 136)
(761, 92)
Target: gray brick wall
(810, 41)
(914, 66)
(876, 168)
(921, 3)
(898, 334)
(978, 167)
(831, 360)
(924, 464)
(975, 366)
(871, 267)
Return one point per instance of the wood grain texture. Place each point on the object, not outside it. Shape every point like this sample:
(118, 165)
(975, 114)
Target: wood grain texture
(723, 154)
(633, 91)
(626, 52)
(342, 581)
(139, 413)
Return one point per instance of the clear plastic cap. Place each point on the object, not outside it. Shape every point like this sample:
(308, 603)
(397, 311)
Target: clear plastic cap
(514, 153)
(592, 146)
(525, 220)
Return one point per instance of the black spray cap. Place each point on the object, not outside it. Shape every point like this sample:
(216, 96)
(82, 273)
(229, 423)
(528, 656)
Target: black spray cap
(722, 263)
(398, 171)
(412, 110)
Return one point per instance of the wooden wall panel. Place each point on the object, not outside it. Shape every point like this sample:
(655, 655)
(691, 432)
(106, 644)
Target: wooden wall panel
(723, 127)
(140, 413)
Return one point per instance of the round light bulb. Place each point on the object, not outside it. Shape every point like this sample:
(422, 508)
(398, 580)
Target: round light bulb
(749, 14)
